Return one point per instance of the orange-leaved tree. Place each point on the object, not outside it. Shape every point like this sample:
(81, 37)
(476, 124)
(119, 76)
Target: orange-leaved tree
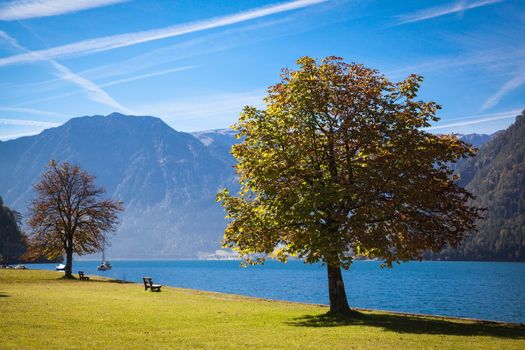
(339, 165)
(68, 216)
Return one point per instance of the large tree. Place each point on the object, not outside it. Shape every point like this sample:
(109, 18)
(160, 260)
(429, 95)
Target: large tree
(339, 165)
(68, 216)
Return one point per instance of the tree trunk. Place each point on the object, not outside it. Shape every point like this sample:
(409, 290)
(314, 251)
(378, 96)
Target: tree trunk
(336, 290)
(69, 260)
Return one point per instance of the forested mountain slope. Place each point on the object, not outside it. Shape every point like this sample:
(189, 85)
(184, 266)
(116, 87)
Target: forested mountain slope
(497, 177)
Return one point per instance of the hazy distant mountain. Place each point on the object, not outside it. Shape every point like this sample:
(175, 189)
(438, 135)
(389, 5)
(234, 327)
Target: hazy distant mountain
(477, 140)
(167, 179)
(219, 142)
(497, 177)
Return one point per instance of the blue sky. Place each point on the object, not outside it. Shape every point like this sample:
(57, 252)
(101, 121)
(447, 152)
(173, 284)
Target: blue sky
(195, 64)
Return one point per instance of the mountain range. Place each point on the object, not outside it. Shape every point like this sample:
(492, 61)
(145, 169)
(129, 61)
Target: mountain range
(496, 176)
(168, 181)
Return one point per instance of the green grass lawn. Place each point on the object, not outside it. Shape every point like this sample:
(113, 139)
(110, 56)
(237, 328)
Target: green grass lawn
(39, 310)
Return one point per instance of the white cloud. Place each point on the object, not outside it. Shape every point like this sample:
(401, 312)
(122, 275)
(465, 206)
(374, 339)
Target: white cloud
(24, 122)
(149, 75)
(31, 111)
(166, 54)
(201, 45)
(111, 83)
(93, 91)
(438, 11)
(217, 109)
(25, 9)
(87, 47)
(7, 137)
(477, 119)
(517, 81)
(471, 61)
(495, 62)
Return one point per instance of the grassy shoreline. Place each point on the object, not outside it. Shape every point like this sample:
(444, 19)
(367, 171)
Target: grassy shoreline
(39, 310)
(401, 313)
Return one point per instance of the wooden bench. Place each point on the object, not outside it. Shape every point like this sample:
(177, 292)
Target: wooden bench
(82, 277)
(148, 284)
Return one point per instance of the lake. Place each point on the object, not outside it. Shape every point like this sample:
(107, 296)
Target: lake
(486, 290)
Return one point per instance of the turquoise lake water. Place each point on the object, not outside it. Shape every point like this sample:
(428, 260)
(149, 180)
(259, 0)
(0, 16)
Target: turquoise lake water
(487, 290)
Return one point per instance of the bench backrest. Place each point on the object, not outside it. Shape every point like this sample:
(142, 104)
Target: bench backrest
(147, 282)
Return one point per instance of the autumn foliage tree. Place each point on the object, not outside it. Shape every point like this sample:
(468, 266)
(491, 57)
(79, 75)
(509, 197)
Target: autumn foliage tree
(68, 216)
(339, 165)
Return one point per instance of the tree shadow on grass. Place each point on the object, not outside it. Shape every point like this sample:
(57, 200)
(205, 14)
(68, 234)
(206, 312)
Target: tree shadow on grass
(414, 324)
(95, 280)
(111, 281)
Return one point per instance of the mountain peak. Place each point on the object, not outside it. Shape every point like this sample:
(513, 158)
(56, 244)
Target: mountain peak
(476, 140)
(116, 115)
(116, 121)
(166, 179)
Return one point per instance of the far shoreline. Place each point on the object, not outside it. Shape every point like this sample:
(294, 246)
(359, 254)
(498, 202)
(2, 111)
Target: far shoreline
(273, 260)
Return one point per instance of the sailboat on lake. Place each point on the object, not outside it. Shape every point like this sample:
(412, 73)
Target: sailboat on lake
(61, 266)
(105, 265)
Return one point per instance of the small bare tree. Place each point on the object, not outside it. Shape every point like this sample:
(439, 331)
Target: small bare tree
(68, 216)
